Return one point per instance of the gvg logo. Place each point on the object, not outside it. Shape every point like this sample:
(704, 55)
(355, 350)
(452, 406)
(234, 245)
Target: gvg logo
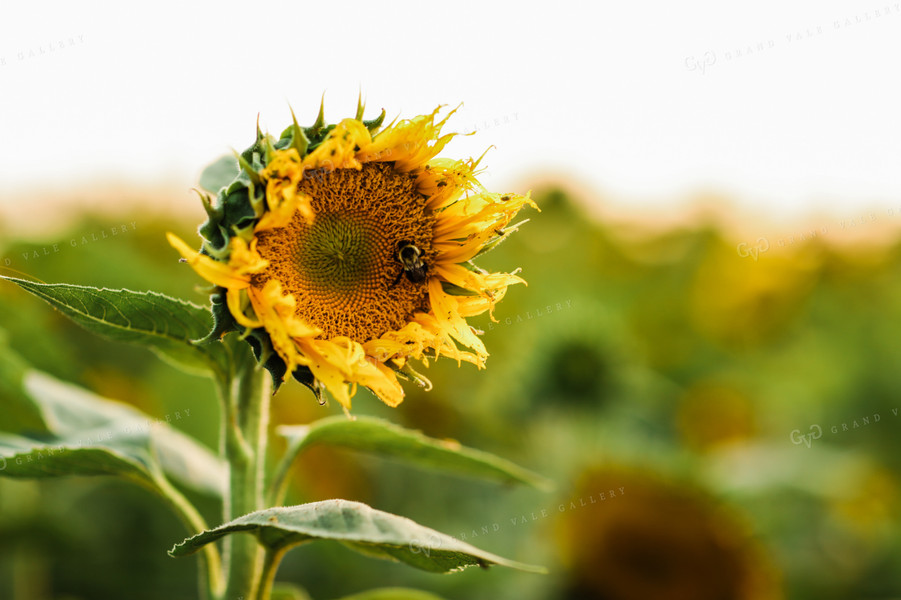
(815, 432)
(700, 64)
(425, 547)
(753, 250)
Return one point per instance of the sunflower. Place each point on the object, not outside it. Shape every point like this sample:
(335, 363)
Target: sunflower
(631, 534)
(343, 251)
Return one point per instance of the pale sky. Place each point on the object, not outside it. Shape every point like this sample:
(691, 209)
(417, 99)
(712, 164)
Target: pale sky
(787, 109)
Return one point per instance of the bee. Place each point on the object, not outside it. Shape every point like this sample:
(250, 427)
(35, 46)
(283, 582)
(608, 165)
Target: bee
(410, 257)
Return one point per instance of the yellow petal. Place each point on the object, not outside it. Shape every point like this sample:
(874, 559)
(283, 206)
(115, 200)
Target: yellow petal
(470, 306)
(325, 358)
(276, 312)
(235, 299)
(340, 148)
(218, 273)
(448, 317)
(283, 174)
(410, 143)
(381, 380)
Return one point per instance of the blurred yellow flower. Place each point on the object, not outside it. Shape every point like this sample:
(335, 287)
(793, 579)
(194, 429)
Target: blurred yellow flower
(743, 303)
(869, 506)
(359, 257)
(712, 414)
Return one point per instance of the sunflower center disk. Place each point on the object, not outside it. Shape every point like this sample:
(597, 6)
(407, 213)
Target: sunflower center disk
(343, 268)
(338, 252)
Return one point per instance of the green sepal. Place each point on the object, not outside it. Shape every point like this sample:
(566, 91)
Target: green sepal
(268, 152)
(239, 212)
(313, 136)
(317, 138)
(375, 123)
(317, 133)
(471, 266)
(261, 344)
(223, 321)
(269, 359)
(320, 118)
(260, 134)
(212, 212)
(360, 107)
(254, 152)
(248, 169)
(299, 141)
(408, 373)
(456, 290)
(305, 376)
(214, 235)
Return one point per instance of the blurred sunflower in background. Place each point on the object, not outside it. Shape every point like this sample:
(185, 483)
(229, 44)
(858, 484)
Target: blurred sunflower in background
(632, 535)
(713, 414)
(343, 251)
(746, 304)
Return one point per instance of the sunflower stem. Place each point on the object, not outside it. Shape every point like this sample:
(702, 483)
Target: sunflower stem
(244, 439)
(279, 485)
(210, 565)
(270, 566)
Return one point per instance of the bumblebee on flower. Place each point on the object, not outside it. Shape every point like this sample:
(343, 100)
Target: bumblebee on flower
(344, 251)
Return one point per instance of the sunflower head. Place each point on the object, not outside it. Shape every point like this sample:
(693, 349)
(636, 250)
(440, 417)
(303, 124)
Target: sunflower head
(343, 251)
(633, 535)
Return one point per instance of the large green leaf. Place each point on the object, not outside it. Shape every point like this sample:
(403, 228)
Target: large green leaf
(19, 411)
(393, 594)
(81, 433)
(377, 436)
(219, 173)
(360, 527)
(166, 325)
(28, 458)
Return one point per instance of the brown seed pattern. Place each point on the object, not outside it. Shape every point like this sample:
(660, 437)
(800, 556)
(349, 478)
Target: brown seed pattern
(342, 268)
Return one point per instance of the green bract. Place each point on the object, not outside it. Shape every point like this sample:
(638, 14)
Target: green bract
(237, 208)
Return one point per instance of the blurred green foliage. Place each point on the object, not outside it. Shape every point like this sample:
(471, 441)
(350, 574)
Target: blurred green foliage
(663, 353)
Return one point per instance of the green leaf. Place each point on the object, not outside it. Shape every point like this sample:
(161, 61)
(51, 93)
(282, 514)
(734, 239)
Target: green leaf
(166, 325)
(288, 591)
(393, 594)
(84, 434)
(360, 527)
(19, 412)
(26, 458)
(188, 462)
(377, 436)
(219, 174)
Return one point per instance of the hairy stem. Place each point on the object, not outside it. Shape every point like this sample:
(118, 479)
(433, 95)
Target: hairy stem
(270, 565)
(245, 427)
(279, 485)
(210, 565)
